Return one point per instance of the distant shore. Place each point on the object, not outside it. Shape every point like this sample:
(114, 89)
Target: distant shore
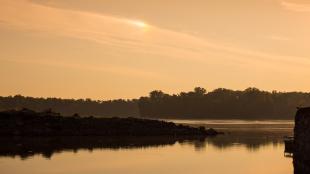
(26, 122)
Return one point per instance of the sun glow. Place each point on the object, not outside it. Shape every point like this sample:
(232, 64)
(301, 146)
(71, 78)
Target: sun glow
(139, 24)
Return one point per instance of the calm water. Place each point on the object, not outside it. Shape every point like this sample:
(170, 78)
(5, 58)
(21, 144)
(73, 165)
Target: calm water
(241, 151)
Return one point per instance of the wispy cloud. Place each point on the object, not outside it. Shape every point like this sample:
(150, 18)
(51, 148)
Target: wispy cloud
(279, 38)
(120, 70)
(298, 7)
(121, 33)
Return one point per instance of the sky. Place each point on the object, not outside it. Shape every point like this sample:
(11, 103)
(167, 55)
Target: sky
(109, 49)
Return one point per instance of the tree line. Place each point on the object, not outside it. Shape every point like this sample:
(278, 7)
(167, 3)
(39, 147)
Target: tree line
(68, 107)
(221, 103)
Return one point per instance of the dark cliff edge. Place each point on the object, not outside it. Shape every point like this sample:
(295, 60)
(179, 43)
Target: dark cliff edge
(30, 123)
(302, 141)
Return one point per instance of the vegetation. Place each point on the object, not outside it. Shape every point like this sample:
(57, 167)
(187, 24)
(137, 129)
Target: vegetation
(30, 123)
(221, 103)
(110, 108)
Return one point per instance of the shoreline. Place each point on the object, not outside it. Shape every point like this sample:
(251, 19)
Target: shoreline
(26, 122)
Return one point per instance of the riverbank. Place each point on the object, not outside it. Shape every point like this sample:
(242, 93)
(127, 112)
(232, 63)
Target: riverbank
(26, 122)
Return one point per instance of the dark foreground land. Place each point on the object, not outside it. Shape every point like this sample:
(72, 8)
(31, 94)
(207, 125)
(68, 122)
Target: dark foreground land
(30, 123)
(302, 141)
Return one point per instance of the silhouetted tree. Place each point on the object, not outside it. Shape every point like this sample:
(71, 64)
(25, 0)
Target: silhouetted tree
(200, 91)
(222, 103)
(110, 108)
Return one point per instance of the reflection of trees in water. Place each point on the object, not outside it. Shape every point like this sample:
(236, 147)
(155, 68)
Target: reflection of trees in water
(223, 142)
(26, 147)
(251, 140)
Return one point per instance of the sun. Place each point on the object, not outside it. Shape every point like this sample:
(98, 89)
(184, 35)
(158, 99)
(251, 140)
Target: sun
(139, 24)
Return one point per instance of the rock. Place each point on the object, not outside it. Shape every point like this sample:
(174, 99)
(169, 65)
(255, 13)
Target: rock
(51, 124)
(212, 132)
(302, 141)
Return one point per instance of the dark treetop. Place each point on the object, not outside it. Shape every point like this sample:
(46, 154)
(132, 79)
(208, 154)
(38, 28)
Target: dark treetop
(223, 104)
(218, 104)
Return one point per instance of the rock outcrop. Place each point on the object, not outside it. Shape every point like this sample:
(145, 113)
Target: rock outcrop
(29, 123)
(302, 141)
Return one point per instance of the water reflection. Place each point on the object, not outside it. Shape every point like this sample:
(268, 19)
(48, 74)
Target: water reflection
(251, 139)
(236, 152)
(47, 146)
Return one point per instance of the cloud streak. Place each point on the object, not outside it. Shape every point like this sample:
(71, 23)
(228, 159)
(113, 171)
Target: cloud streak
(122, 34)
(119, 70)
(295, 7)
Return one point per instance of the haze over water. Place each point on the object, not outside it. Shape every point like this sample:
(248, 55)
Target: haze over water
(176, 59)
(240, 151)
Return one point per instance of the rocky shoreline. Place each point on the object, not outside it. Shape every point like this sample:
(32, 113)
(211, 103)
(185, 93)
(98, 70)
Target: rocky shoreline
(26, 122)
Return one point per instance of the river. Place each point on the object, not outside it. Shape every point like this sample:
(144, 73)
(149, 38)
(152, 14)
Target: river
(248, 147)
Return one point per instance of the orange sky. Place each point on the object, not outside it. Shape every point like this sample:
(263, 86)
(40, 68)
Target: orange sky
(106, 49)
